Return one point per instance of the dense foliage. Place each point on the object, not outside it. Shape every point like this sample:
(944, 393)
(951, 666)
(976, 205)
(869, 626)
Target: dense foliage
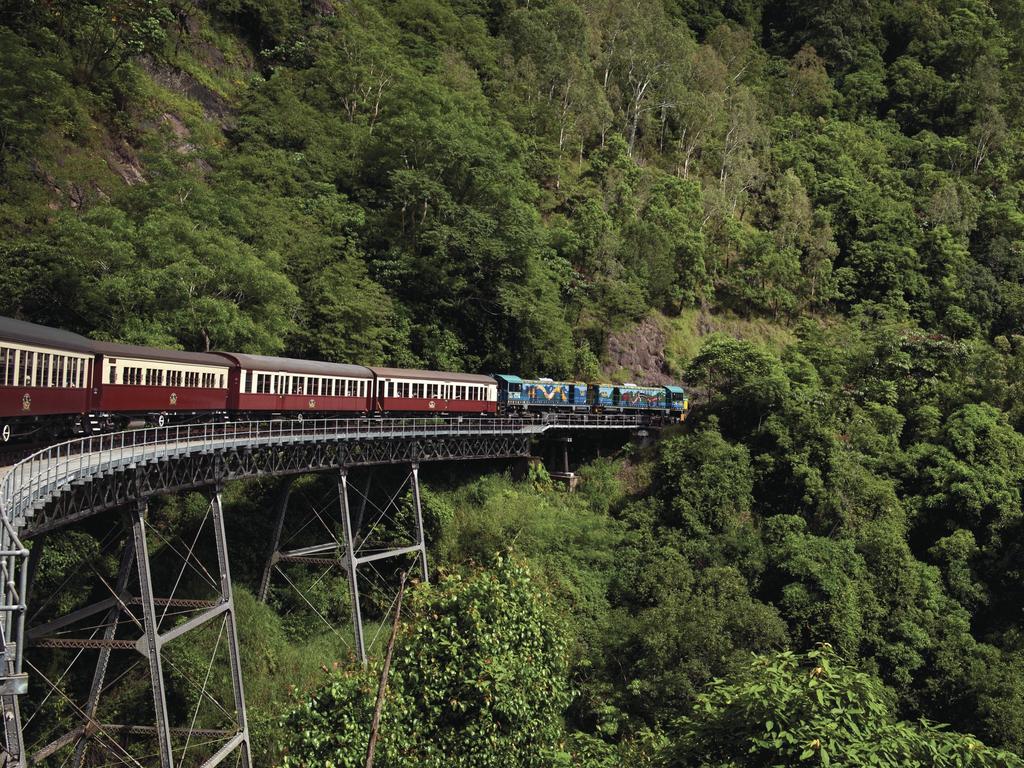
(490, 185)
(479, 681)
(789, 708)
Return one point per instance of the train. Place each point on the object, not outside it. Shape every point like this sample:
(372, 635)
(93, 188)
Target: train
(56, 384)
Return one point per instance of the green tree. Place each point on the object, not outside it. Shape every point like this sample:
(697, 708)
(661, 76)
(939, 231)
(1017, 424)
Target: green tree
(813, 708)
(478, 680)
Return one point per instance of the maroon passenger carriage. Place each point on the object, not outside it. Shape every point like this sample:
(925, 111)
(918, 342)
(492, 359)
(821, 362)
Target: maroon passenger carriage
(262, 386)
(406, 390)
(158, 386)
(45, 379)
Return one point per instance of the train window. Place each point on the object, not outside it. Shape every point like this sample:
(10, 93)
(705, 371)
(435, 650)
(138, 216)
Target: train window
(6, 366)
(160, 378)
(71, 372)
(43, 370)
(391, 389)
(298, 384)
(25, 368)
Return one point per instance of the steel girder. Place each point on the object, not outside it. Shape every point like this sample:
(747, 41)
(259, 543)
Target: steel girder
(189, 472)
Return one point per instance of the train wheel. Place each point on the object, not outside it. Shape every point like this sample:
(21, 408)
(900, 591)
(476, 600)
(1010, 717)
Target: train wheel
(161, 420)
(5, 433)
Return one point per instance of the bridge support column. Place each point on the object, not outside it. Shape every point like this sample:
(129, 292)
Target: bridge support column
(420, 538)
(151, 640)
(560, 463)
(234, 653)
(352, 545)
(280, 510)
(351, 566)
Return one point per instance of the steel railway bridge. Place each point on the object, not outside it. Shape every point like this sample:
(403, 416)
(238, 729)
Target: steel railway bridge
(118, 474)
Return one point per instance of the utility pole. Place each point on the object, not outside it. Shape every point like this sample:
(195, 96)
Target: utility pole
(384, 676)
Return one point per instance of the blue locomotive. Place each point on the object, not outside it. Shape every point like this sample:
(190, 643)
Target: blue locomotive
(516, 394)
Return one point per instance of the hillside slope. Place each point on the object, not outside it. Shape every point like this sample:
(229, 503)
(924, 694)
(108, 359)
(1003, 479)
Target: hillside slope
(808, 211)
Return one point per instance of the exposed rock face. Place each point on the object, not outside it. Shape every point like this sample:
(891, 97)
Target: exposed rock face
(640, 350)
(122, 160)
